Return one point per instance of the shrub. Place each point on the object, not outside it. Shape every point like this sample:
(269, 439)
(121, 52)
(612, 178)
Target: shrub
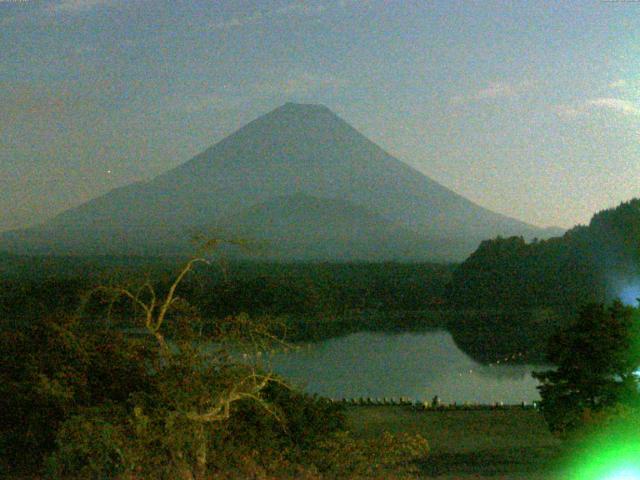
(596, 359)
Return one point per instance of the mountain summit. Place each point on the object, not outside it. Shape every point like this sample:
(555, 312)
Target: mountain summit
(294, 152)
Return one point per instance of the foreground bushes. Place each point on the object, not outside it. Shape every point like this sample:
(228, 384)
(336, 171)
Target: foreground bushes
(78, 427)
(50, 371)
(80, 399)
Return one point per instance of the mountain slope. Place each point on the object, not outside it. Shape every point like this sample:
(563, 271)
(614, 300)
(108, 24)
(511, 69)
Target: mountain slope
(295, 149)
(301, 227)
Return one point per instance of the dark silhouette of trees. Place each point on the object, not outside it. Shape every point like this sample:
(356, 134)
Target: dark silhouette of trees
(596, 358)
(563, 272)
(517, 293)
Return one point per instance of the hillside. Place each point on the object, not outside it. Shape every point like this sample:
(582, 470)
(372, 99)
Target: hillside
(310, 228)
(588, 263)
(515, 294)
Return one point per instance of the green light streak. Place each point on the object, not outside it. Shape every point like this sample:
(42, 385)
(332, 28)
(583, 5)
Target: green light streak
(610, 454)
(609, 449)
(625, 473)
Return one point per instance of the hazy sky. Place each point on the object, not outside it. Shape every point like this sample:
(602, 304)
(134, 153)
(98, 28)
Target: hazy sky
(531, 109)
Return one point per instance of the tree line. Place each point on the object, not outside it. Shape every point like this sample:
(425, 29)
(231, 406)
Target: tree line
(566, 272)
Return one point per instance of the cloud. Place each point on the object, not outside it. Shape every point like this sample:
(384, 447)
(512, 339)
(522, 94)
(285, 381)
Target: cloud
(494, 90)
(205, 101)
(603, 104)
(44, 13)
(238, 21)
(629, 87)
(294, 85)
(617, 84)
(497, 89)
(615, 104)
(569, 111)
(301, 9)
(75, 6)
(297, 9)
(297, 84)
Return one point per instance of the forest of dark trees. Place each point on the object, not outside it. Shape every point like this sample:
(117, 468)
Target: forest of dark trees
(516, 294)
(317, 300)
(582, 266)
(505, 299)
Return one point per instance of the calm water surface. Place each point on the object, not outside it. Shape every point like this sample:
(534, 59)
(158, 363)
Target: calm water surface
(414, 365)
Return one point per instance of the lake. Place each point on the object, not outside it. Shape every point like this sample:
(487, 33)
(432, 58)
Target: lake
(414, 365)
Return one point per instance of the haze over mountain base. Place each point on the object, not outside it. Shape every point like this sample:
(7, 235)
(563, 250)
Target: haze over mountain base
(301, 183)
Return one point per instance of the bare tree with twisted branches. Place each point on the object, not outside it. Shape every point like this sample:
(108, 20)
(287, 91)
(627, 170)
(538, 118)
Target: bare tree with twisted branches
(210, 403)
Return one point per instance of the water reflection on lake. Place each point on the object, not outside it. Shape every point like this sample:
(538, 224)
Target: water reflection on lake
(414, 365)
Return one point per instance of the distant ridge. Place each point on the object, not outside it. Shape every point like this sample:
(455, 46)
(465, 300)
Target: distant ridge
(281, 160)
(312, 228)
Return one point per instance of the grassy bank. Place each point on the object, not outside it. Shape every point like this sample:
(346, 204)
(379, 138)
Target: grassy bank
(513, 444)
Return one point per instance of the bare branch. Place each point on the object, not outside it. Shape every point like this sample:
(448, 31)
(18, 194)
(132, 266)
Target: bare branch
(172, 290)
